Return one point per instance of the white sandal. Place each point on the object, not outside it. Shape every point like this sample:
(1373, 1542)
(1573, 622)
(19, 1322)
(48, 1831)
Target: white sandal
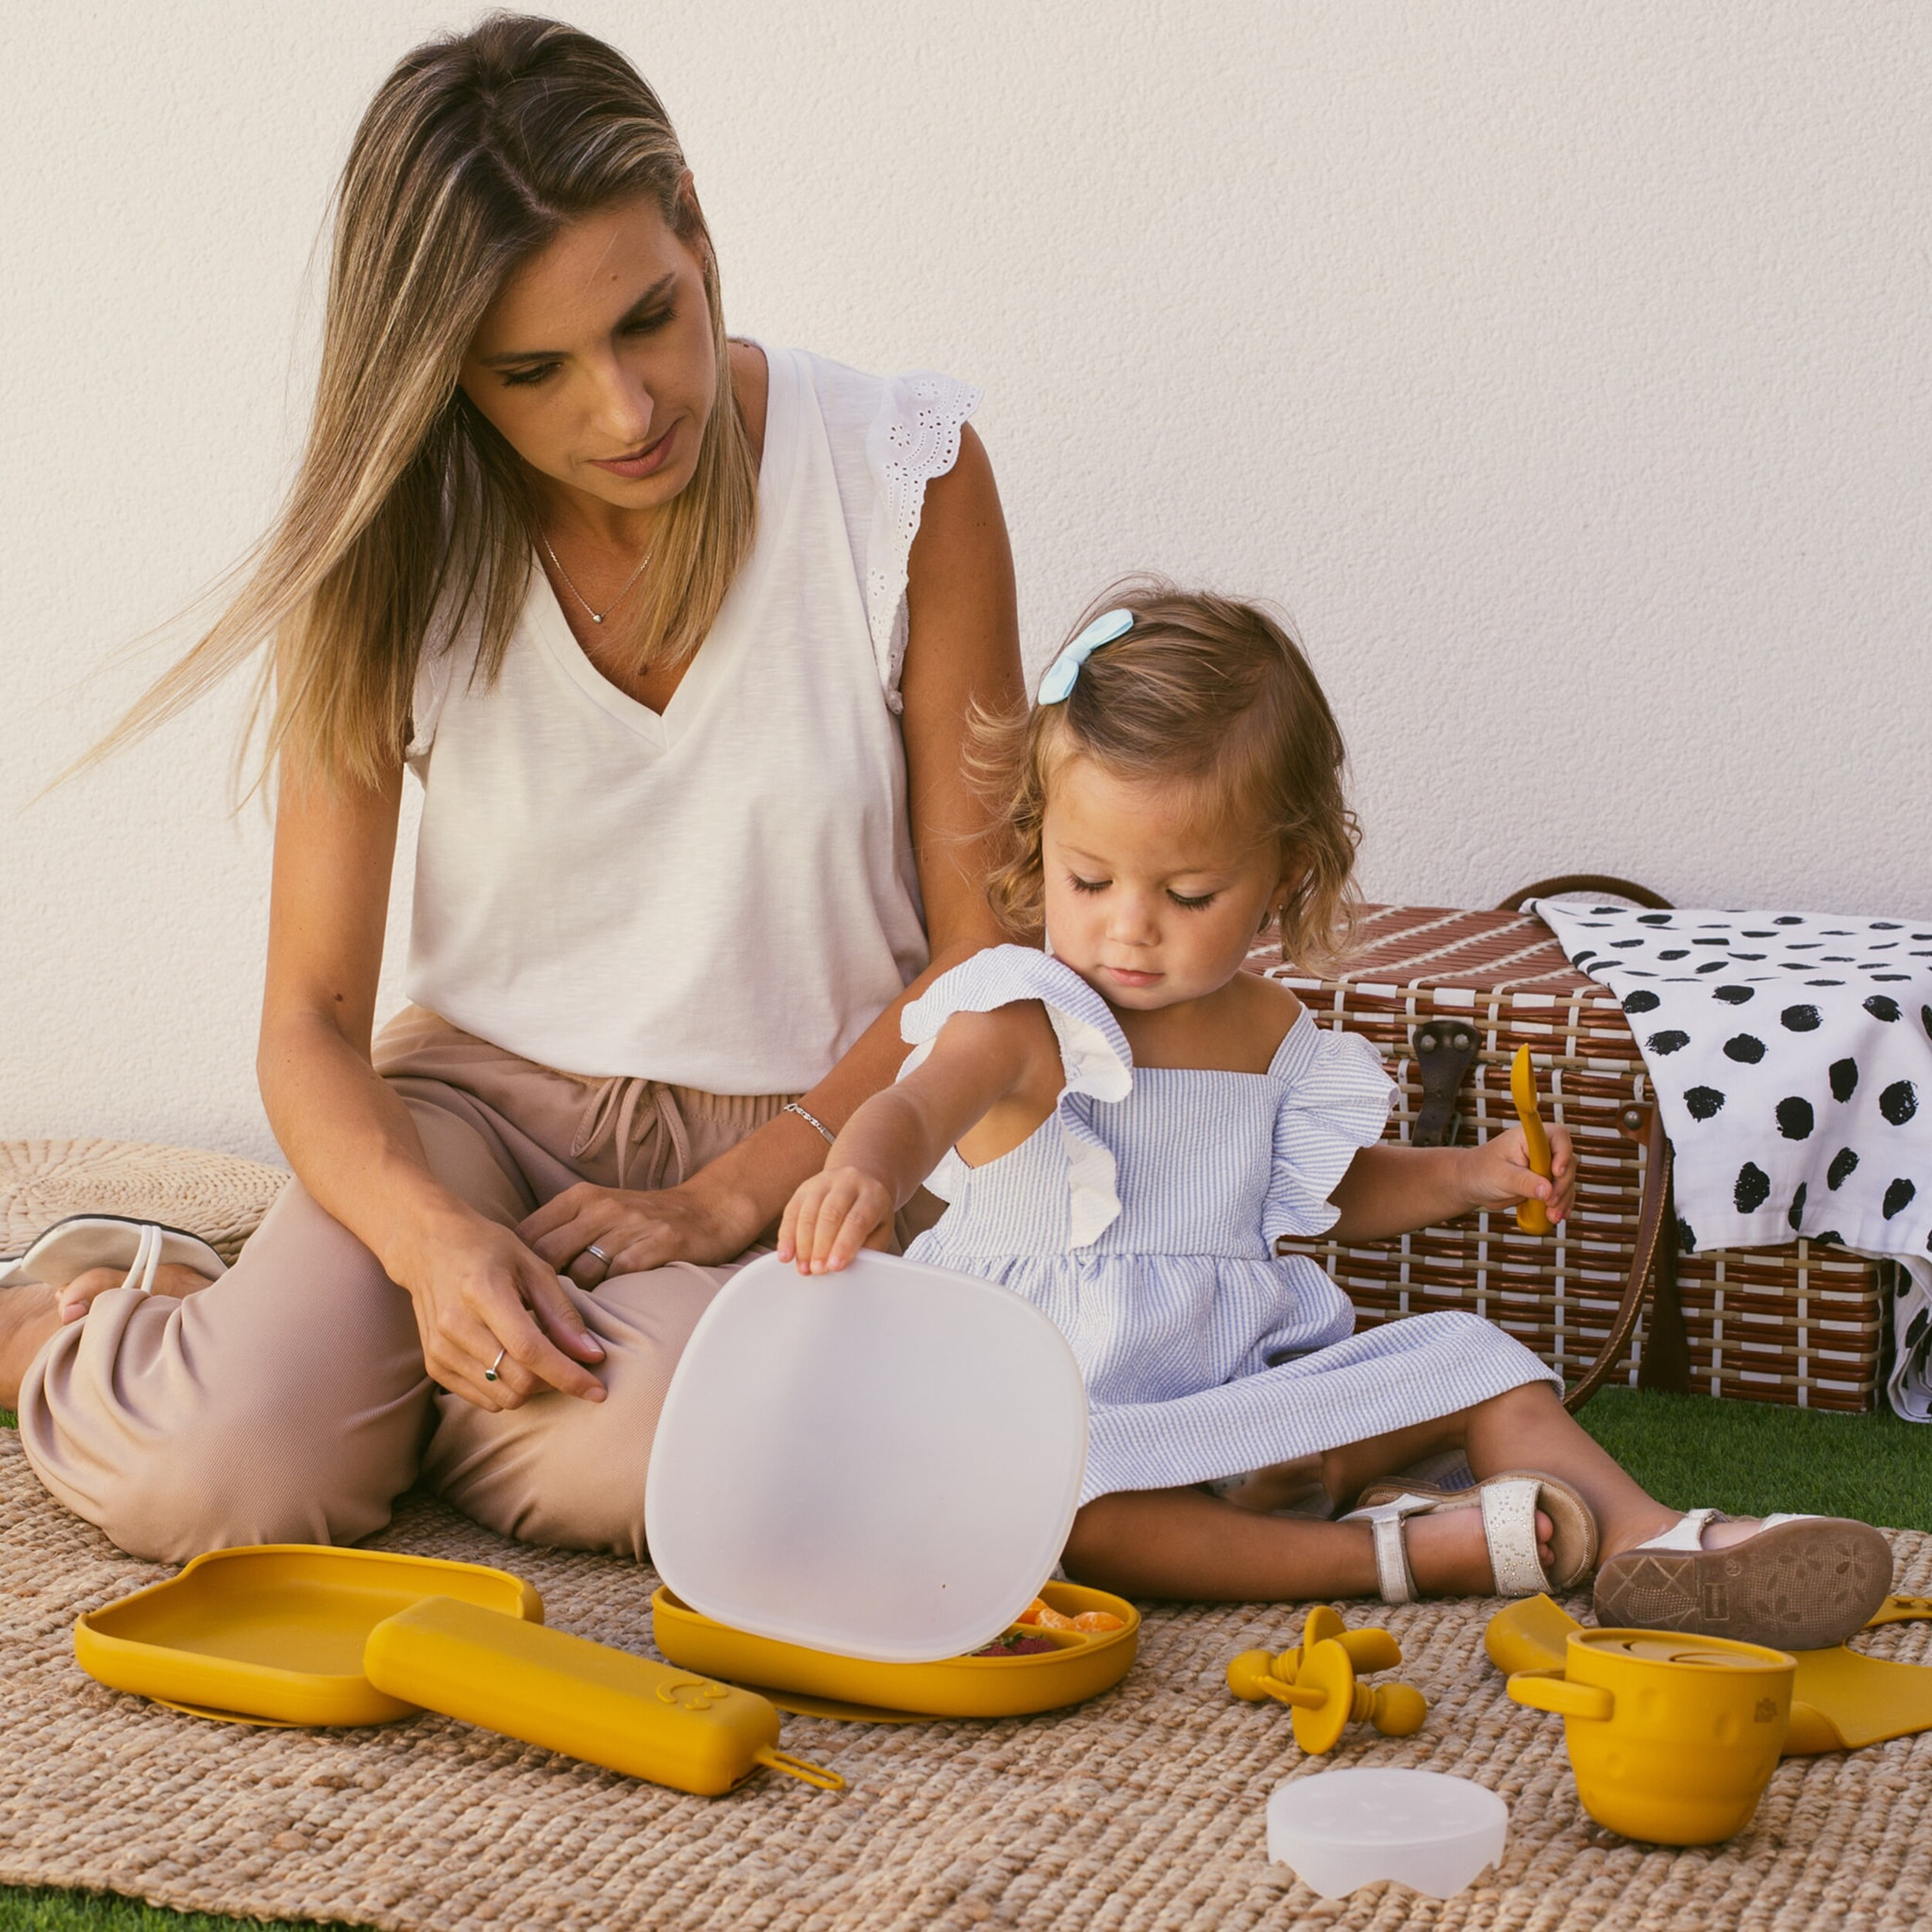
(71, 1247)
(1510, 1503)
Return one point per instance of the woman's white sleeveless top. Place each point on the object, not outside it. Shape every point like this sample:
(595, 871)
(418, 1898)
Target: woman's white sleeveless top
(721, 895)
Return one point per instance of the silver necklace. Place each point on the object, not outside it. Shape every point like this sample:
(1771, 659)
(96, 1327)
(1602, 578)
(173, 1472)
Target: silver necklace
(595, 616)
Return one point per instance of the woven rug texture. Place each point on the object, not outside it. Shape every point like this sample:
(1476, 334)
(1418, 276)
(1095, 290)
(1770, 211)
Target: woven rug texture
(1141, 1809)
(219, 1196)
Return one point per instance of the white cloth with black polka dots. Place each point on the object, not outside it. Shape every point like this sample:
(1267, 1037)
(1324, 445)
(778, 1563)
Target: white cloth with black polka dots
(1792, 1054)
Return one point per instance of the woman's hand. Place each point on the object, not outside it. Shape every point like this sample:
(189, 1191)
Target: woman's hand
(1498, 1173)
(699, 1222)
(479, 1293)
(832, 1216)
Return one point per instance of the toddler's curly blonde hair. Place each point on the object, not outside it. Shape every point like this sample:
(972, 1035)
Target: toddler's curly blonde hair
(1208, 693)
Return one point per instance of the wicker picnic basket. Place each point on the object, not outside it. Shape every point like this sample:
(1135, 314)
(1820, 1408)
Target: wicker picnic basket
(1608, 1298)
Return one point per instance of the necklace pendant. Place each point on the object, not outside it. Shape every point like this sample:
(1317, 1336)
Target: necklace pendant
(595, 619)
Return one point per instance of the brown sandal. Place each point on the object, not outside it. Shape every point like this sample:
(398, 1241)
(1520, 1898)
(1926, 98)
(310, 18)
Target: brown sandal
(1799, 1583)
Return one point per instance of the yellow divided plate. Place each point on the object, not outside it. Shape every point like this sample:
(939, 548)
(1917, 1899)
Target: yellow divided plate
(814, 1683)
(274, 1634)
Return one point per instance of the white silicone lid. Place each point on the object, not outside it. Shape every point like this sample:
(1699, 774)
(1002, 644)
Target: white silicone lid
(883, 1462)
(1339, 1829)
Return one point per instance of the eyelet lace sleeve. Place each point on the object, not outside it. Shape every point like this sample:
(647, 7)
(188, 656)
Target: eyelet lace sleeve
(1094, 1056)
(1335, 1101)
(913, 437)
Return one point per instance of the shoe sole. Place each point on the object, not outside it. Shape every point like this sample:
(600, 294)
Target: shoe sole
(1801, 1586)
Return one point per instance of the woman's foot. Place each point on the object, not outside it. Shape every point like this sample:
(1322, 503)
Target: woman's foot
(1794, 1583)
(28, 1315)
(32, 1311)
(171, 1278)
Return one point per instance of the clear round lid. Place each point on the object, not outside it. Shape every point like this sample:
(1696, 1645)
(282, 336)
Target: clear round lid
(882, 1463)
(1340, 1829)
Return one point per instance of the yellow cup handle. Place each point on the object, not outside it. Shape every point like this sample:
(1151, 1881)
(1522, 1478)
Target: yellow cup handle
(1544, 1690)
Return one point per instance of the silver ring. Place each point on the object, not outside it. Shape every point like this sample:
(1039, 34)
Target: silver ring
(594, 1249)
(489, 1374)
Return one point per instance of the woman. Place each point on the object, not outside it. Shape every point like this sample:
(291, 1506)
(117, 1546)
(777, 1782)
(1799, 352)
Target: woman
(679, 634)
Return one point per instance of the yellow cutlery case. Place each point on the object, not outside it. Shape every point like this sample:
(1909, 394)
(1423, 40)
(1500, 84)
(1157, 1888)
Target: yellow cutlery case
(607, 1706)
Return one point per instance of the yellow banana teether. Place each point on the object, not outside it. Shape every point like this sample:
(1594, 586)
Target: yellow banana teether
(1531, 1216)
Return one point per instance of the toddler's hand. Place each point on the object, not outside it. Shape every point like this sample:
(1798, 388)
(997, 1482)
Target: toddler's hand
(1500, 1176)
(832, 1216)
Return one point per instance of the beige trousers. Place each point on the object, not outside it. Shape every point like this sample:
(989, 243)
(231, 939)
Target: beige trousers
(289, 1403)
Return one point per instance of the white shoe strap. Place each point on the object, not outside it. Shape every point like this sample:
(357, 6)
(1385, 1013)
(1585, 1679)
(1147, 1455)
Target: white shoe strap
(1687, 1533)
(1509, 1530)
(1393, 1577)
(148, 1258)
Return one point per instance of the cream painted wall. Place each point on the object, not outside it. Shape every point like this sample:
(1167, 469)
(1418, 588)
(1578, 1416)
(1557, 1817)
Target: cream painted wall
(1562, 367)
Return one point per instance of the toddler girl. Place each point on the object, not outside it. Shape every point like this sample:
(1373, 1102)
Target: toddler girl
(1125, 1122)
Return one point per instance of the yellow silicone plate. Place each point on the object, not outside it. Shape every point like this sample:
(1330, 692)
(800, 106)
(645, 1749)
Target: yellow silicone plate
(818, 1684)
(274, 1634)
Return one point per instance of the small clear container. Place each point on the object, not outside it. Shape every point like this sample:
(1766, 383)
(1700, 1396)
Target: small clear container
(1339, 1829)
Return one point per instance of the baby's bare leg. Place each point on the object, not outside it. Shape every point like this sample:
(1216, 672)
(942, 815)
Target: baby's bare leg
(1529, 1428)
(1347, 1471)
(1186, 1543)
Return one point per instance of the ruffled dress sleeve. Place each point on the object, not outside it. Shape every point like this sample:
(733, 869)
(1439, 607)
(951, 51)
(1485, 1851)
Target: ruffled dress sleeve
(1094, 1058)
(1335, 1101)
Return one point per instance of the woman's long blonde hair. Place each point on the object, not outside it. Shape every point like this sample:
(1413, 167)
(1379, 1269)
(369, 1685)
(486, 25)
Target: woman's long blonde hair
(475, 152)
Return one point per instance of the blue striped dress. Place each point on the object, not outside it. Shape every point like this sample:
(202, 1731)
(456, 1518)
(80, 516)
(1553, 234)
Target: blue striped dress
(1140, 1218)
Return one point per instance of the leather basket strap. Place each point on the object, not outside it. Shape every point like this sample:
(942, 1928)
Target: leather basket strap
(1652, 1259)
(1586, 882)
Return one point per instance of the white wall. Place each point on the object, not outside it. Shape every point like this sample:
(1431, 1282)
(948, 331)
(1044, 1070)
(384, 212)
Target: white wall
(1563, 366)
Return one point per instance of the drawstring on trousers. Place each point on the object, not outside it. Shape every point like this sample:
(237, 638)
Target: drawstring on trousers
(611, 1113)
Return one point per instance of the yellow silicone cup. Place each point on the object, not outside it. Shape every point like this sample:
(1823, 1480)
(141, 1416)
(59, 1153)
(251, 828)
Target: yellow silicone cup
(1672, 1738)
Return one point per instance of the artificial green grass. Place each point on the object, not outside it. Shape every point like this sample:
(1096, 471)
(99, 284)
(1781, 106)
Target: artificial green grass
(1687, 1450)
(94, 1911)
(1750, 1457)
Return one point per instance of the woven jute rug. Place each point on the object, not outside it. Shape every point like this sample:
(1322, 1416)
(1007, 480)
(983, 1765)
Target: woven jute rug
(219, 1196)
(1143, 1808)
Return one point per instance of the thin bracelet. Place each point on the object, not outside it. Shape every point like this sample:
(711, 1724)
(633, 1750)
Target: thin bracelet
(811, 1119)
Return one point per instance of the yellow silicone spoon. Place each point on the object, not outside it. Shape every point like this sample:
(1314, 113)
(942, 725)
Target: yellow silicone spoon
(1532, 1217)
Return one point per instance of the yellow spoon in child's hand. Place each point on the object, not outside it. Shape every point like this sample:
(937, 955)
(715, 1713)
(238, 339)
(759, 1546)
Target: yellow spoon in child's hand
(1532, 1217)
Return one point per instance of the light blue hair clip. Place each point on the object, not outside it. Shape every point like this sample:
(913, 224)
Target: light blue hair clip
(1064, 671)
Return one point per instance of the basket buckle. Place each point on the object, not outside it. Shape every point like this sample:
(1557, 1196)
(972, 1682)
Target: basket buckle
(1444, 1051)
